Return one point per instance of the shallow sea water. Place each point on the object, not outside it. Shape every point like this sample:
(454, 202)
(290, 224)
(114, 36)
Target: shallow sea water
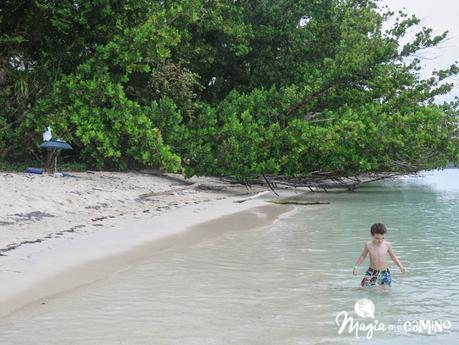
(278, 284)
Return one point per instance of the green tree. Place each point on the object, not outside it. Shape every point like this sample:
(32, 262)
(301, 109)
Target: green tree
(223, 87)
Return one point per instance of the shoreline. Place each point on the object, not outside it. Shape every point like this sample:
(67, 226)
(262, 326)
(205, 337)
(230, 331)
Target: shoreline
(39, 269)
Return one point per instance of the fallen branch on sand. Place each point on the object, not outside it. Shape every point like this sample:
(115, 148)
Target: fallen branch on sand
(166, 192)
(253, 197)
(323, 181)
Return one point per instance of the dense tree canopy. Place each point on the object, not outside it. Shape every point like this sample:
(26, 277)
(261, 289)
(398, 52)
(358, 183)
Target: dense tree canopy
(224, 87)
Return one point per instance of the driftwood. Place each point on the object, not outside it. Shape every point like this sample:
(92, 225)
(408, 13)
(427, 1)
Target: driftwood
(252, 197)
(270, 185)
(323, 181)
(302, 203)
(146, 196)
(315, 181)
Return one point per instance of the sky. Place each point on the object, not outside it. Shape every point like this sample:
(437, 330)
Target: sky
(440, 15)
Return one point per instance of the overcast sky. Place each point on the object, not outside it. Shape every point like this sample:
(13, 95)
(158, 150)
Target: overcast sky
(440, 15)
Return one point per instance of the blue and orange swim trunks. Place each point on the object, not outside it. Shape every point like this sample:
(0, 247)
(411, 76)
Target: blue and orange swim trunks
(373, 277)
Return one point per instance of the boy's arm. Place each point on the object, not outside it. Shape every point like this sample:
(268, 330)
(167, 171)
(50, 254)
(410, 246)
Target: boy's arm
(360, 259)
(396, 260)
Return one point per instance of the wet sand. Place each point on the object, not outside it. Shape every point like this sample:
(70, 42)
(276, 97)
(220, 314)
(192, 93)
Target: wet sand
(40, 268)
(230, 282)
(37, 208)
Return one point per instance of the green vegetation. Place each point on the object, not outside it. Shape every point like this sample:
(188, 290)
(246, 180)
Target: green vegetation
(223, 87)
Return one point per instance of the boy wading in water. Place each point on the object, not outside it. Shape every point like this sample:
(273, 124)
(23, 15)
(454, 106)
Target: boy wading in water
(379, 249)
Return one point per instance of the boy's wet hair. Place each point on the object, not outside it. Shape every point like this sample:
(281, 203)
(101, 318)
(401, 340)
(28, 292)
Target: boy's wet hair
(378, 228)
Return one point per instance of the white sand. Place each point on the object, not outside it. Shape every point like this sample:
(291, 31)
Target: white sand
(51, 226)
(42, 206)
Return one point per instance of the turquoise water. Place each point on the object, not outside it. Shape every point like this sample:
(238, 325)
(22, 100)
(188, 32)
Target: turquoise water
(281, 284)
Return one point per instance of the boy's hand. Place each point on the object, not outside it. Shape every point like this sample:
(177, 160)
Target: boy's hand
(354, 271)
(403, 269)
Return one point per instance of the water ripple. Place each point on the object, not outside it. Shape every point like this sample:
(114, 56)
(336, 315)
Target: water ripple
(283, 284)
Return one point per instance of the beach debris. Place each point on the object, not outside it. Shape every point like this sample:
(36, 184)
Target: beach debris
(5, 223)
(33, 216)
(34, 170)
(98, 219)
(16, 245)
(270, 185)
(98, 206)
(253, 196)
(316, 181)
(13, 246)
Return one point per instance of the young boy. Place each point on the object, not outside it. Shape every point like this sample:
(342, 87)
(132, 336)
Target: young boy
(378, 249)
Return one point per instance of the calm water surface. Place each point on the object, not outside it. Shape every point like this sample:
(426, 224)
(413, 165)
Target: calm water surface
(282, 284)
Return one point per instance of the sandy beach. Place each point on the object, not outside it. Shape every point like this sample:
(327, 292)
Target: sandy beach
(252, 273)
(53, 227)
(40, 207)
